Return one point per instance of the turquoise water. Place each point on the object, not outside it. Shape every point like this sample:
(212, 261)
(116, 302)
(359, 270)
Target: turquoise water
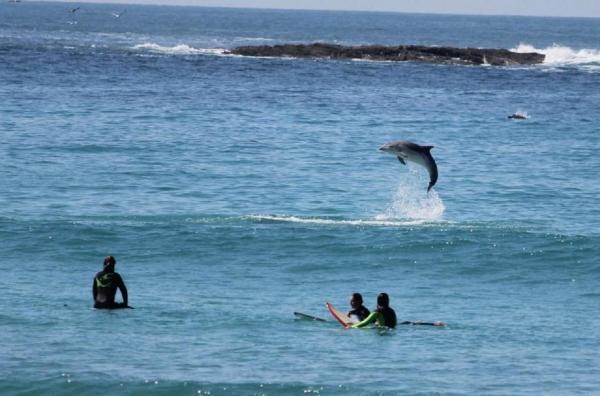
(234, 191)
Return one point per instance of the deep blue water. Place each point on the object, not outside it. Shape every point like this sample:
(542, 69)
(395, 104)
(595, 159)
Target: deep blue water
(234, 191)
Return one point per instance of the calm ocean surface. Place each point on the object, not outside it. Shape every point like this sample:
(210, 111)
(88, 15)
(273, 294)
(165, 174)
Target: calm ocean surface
(234, 191)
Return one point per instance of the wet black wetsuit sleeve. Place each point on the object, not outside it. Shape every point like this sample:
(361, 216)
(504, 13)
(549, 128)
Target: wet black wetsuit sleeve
(94, 289)
(122, 288)
(366, 312)
(361, 313)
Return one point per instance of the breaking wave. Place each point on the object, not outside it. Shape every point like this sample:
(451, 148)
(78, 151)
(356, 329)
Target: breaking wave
(410, 206)
(340, 222)
(179, 49)
(561, 55)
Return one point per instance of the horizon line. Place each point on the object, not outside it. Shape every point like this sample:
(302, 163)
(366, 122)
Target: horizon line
(146, 3)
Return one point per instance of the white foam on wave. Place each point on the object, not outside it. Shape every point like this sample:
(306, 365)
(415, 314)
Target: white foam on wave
(411, 206)
(324, 221)
(412, 202)
(260, 39)
(561, 55)
(179, 49)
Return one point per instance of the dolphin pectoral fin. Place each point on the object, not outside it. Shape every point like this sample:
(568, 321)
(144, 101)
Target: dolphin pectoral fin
(401, 160)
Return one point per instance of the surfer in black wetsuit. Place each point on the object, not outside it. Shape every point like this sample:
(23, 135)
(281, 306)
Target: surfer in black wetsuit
(383, 316)
(106, 283)
(358, 309)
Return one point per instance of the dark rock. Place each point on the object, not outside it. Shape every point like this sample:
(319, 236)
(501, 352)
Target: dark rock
(415, 53)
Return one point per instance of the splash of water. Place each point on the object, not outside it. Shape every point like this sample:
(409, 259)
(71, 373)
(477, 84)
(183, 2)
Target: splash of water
(336, 222)
(412, 201)
(561, 55)
(180, 49)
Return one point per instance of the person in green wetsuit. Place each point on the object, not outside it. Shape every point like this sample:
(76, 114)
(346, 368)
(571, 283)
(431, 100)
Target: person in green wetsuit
(383, 316)
(105, 285)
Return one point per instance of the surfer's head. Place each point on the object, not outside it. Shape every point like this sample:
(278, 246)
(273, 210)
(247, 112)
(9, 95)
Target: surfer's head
(109, 263)
(383, 300)
(356, 300)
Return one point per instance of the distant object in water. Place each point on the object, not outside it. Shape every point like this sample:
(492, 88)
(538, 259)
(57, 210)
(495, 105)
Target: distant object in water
(438, 323)
(519, 115)
(409, 151)
(118, 14)
(301, 315)
(400, 53)
(74, 10)
(14, 1)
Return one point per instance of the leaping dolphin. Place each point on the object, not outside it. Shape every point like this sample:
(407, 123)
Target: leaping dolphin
(409, 151)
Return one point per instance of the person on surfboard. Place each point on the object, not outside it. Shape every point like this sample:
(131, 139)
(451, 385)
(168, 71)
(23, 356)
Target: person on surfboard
(105, 285)
(358, 309)
(384, 316)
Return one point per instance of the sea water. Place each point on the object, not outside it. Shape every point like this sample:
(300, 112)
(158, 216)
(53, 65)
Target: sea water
(234, 191)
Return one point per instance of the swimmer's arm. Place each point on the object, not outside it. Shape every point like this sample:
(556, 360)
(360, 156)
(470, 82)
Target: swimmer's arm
(94, 289)
(368, 320)
(123, 289)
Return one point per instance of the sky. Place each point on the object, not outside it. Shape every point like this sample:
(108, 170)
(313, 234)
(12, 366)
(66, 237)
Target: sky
(564, 8)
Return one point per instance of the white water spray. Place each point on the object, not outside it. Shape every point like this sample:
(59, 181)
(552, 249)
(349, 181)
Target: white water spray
(180, 49)
(413, 202)
(561, 55)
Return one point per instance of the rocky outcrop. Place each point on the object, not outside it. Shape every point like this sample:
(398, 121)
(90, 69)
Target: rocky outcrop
(414, 53)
